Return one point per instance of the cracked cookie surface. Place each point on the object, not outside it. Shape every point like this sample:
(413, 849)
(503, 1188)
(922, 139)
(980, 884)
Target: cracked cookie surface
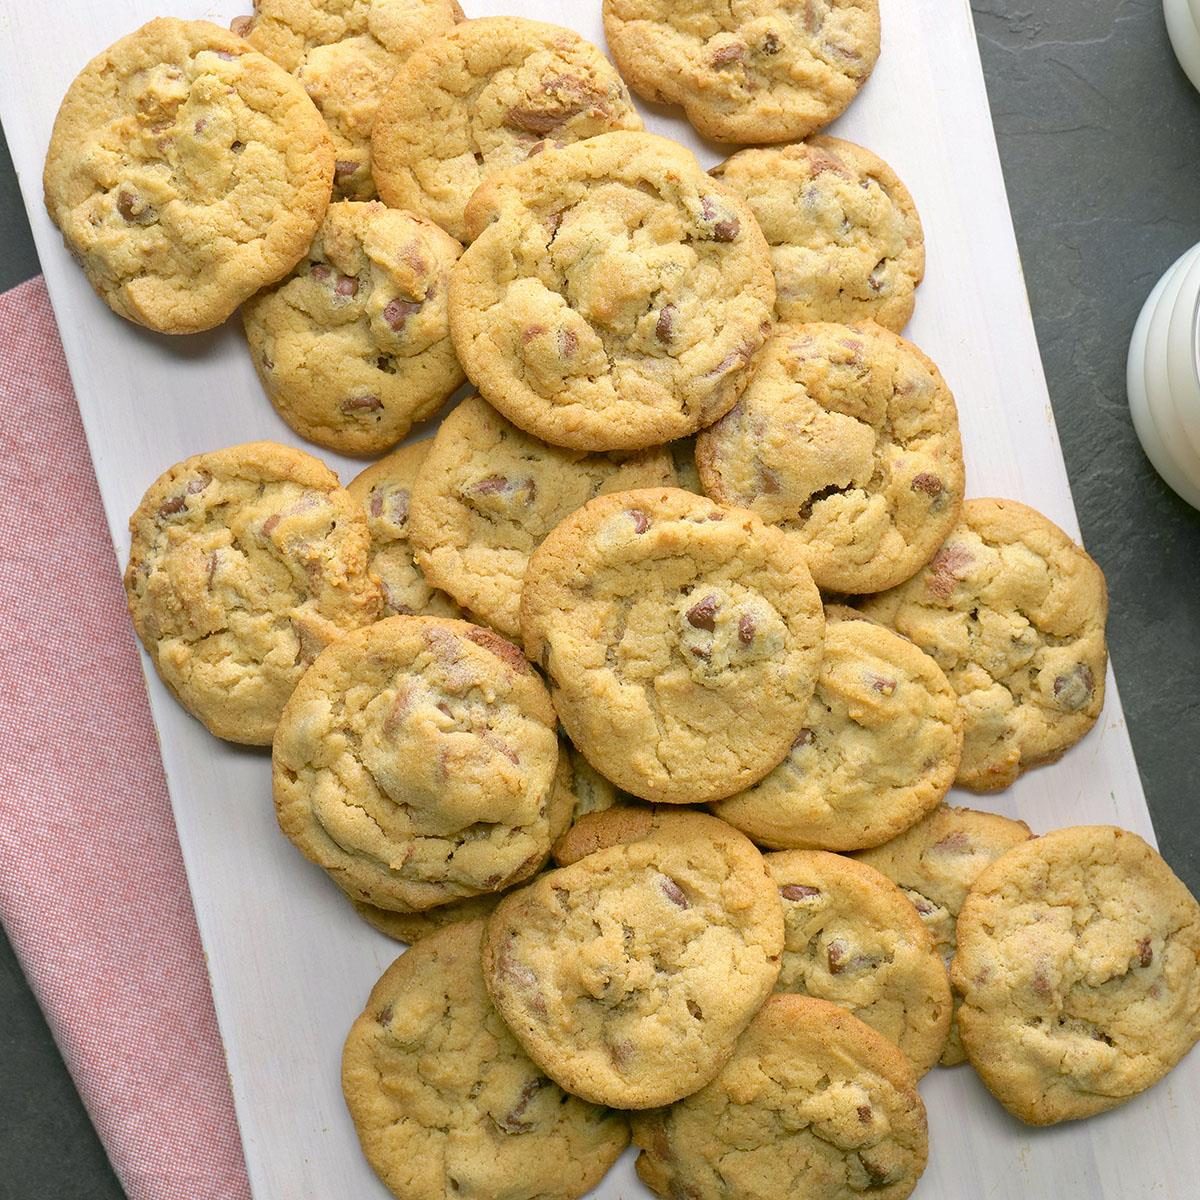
(851, 937)
(488, 95)
(445, 1102)
(628, 975)
(877, 749)
(614, 296)
(813, 1105)
(1014, 612)
(846, 241)
(384, 490)
(759, 71)
(1078, 964)
(353, 348)
(186, 171)
(577, 790)
(934, 864)
(344, 53)
(487, 495)
(682, 641)
(245, 563)
(847, 436)
(415, 764)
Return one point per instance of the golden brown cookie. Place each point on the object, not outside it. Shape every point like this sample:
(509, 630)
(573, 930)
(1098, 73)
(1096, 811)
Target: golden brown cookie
(344, 53)
(488, 95)
(852, 937)
(847, 436)
(415, 764)
(846, 241)
(682, 641)
(577, 790)
(934, 863)
(765, 71)
(353, 348)
(1078, 964)
(446, 1103)
(488, 493)
(877, 750)
(1014, 613)
(186, 171)
(614, 297)
(245, 563)
(384, 490)
(628, 975)
(813, 1105)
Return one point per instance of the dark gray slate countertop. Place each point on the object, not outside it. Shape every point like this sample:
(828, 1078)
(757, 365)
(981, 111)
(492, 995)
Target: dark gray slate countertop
(1098, 131)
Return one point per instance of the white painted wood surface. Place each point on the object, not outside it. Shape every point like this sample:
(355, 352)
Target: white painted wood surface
(290, 963)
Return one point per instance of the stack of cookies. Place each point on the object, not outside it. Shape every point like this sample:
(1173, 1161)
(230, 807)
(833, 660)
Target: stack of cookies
(687, 599)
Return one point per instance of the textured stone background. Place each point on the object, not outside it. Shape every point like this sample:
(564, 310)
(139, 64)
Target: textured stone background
(1098, 130)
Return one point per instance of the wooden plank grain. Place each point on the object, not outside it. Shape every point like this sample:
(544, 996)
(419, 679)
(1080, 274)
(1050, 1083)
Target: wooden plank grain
(290, 963)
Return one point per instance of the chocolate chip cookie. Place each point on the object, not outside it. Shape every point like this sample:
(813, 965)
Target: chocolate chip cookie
(1014, 612)
(934, 863)
(384, 490)
(769, 71)
(877, 749)
(846, 241)
(847, 436)
(577, 790)
(628, 975)
(852, 937)
(245, 563)
(682, 641)
(813, 1105)
(415, 764)
(489, 94)
(615, 295)
(345, 54)
(353, 348)
(186, 171)
(488, 493)
(1079, 969)
(445, 1102)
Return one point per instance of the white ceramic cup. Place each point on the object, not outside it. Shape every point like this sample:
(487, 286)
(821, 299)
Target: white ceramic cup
(1183, 27)
(1163, 377)
(1183, 365)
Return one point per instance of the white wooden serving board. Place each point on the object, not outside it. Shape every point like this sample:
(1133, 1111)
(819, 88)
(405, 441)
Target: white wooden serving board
(290, 962)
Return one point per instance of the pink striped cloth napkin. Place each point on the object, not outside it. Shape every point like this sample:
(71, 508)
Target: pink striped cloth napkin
(92, 888)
